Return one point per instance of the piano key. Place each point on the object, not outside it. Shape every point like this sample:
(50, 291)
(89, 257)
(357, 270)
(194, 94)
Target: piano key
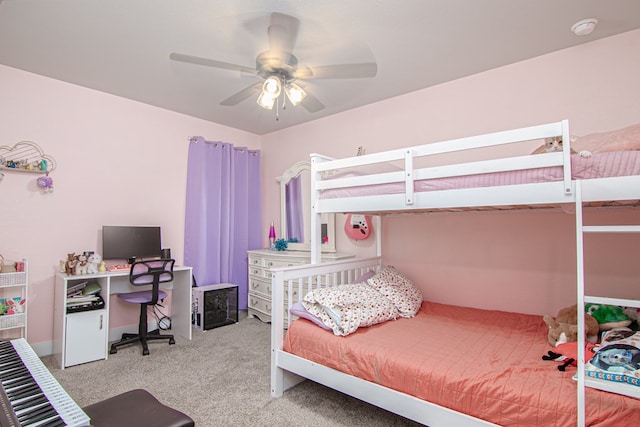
(29, 394)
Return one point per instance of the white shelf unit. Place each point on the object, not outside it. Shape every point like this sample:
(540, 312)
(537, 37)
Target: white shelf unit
(582, 299)
(14, 285)
(79, 337)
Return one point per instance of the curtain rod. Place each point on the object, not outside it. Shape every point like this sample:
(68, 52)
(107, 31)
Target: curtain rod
(194, 139)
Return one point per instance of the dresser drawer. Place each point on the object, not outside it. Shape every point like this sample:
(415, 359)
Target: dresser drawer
(273, 260)
(274, 263)
(256, 261)
(260, 272)
(286, 295)
(259, 303)
(260, 286)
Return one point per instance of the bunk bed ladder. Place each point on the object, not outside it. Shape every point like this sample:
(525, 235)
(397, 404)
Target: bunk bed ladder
(582, 299)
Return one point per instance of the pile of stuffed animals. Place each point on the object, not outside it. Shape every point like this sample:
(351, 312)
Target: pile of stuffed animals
(85, 263)
(563, 329)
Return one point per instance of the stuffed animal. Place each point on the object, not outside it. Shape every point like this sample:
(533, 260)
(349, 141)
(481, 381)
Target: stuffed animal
(633, 314)
(608, 316)
(15, 307)
(81, 266)
(93, 263)
(564, 328)
(567, 353)
(70, 265)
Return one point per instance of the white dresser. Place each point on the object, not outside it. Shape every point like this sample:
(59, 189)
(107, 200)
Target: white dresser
(260, 263)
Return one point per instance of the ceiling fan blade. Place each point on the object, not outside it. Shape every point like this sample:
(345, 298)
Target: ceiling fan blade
(311, 103)
(210, 63)
(302, 72)
(283, 33)
(344, 71)
(242, 95)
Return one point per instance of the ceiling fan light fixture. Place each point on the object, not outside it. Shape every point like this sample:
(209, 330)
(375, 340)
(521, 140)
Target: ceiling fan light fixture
(272, 87)
(295, 93)
(265, 100)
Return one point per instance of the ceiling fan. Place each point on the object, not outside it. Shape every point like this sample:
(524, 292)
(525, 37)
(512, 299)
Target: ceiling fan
(279, 69)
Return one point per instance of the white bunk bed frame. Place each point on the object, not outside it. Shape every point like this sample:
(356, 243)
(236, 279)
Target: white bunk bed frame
(288, 370)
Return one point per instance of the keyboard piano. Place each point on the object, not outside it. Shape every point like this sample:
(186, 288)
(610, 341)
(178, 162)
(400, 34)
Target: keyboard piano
(29, 394)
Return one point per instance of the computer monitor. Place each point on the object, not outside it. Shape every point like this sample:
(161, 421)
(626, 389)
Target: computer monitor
(130, 242)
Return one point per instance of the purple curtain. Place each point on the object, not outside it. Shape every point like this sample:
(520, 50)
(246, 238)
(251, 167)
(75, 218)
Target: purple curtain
(295, 214)
(223, 217)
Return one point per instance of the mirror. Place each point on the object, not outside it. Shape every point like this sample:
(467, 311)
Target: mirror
(295, 211)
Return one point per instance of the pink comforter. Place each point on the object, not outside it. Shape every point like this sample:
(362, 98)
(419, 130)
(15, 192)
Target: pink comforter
(484, 363)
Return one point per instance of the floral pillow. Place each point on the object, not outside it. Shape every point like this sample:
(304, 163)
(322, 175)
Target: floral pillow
(345, 308)
(398, 289)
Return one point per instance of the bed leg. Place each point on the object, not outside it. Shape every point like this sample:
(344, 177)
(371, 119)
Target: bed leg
(281, 379)
(277, 377)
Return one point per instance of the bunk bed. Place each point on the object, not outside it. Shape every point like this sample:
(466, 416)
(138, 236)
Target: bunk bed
(516, 389)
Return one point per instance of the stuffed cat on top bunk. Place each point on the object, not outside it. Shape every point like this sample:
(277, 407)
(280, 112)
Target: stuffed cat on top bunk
(624, 139)
(554, 144)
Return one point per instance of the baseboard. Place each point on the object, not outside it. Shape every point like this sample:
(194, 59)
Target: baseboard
(46, 348)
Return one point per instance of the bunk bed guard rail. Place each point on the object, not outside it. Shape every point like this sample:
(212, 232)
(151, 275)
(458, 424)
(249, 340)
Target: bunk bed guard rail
(328, 173)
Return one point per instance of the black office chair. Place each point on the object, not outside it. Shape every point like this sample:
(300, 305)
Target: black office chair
(142, 273)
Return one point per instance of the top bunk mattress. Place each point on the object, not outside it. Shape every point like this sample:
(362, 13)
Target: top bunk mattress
(599, 165)
(484, 363)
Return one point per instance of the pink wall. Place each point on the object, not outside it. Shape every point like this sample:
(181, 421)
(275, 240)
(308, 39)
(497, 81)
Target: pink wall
(117, 158)
(512, 261)
(120, 162)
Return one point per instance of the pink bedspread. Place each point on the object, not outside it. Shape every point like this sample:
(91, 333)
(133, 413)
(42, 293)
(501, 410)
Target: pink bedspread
(601, 165)
(487, 364)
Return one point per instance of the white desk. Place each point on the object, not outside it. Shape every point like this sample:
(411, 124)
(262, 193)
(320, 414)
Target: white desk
(72, 346)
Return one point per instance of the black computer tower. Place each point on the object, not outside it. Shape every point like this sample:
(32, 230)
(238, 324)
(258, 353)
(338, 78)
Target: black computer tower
(215, 305)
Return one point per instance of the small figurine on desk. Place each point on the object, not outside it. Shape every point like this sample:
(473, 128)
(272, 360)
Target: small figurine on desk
(81, 266)
(102, 267)
(70, 264)
(92, 263)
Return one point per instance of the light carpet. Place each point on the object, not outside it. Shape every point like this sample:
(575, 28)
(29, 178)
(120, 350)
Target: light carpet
(219, 378)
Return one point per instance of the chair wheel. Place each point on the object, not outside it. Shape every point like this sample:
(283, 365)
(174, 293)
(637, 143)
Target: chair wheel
(145, 352)
(113, 350)
(172, 341)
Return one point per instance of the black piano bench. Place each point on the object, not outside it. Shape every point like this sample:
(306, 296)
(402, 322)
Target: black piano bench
(135, 408)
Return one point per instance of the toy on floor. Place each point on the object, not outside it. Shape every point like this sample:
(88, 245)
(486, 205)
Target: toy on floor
(564, 328)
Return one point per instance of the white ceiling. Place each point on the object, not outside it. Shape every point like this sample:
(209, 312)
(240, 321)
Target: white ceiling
(122, 47)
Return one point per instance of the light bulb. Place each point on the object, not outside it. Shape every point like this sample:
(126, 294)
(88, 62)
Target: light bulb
(266, 101)
(272, 86)
(295, 93)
